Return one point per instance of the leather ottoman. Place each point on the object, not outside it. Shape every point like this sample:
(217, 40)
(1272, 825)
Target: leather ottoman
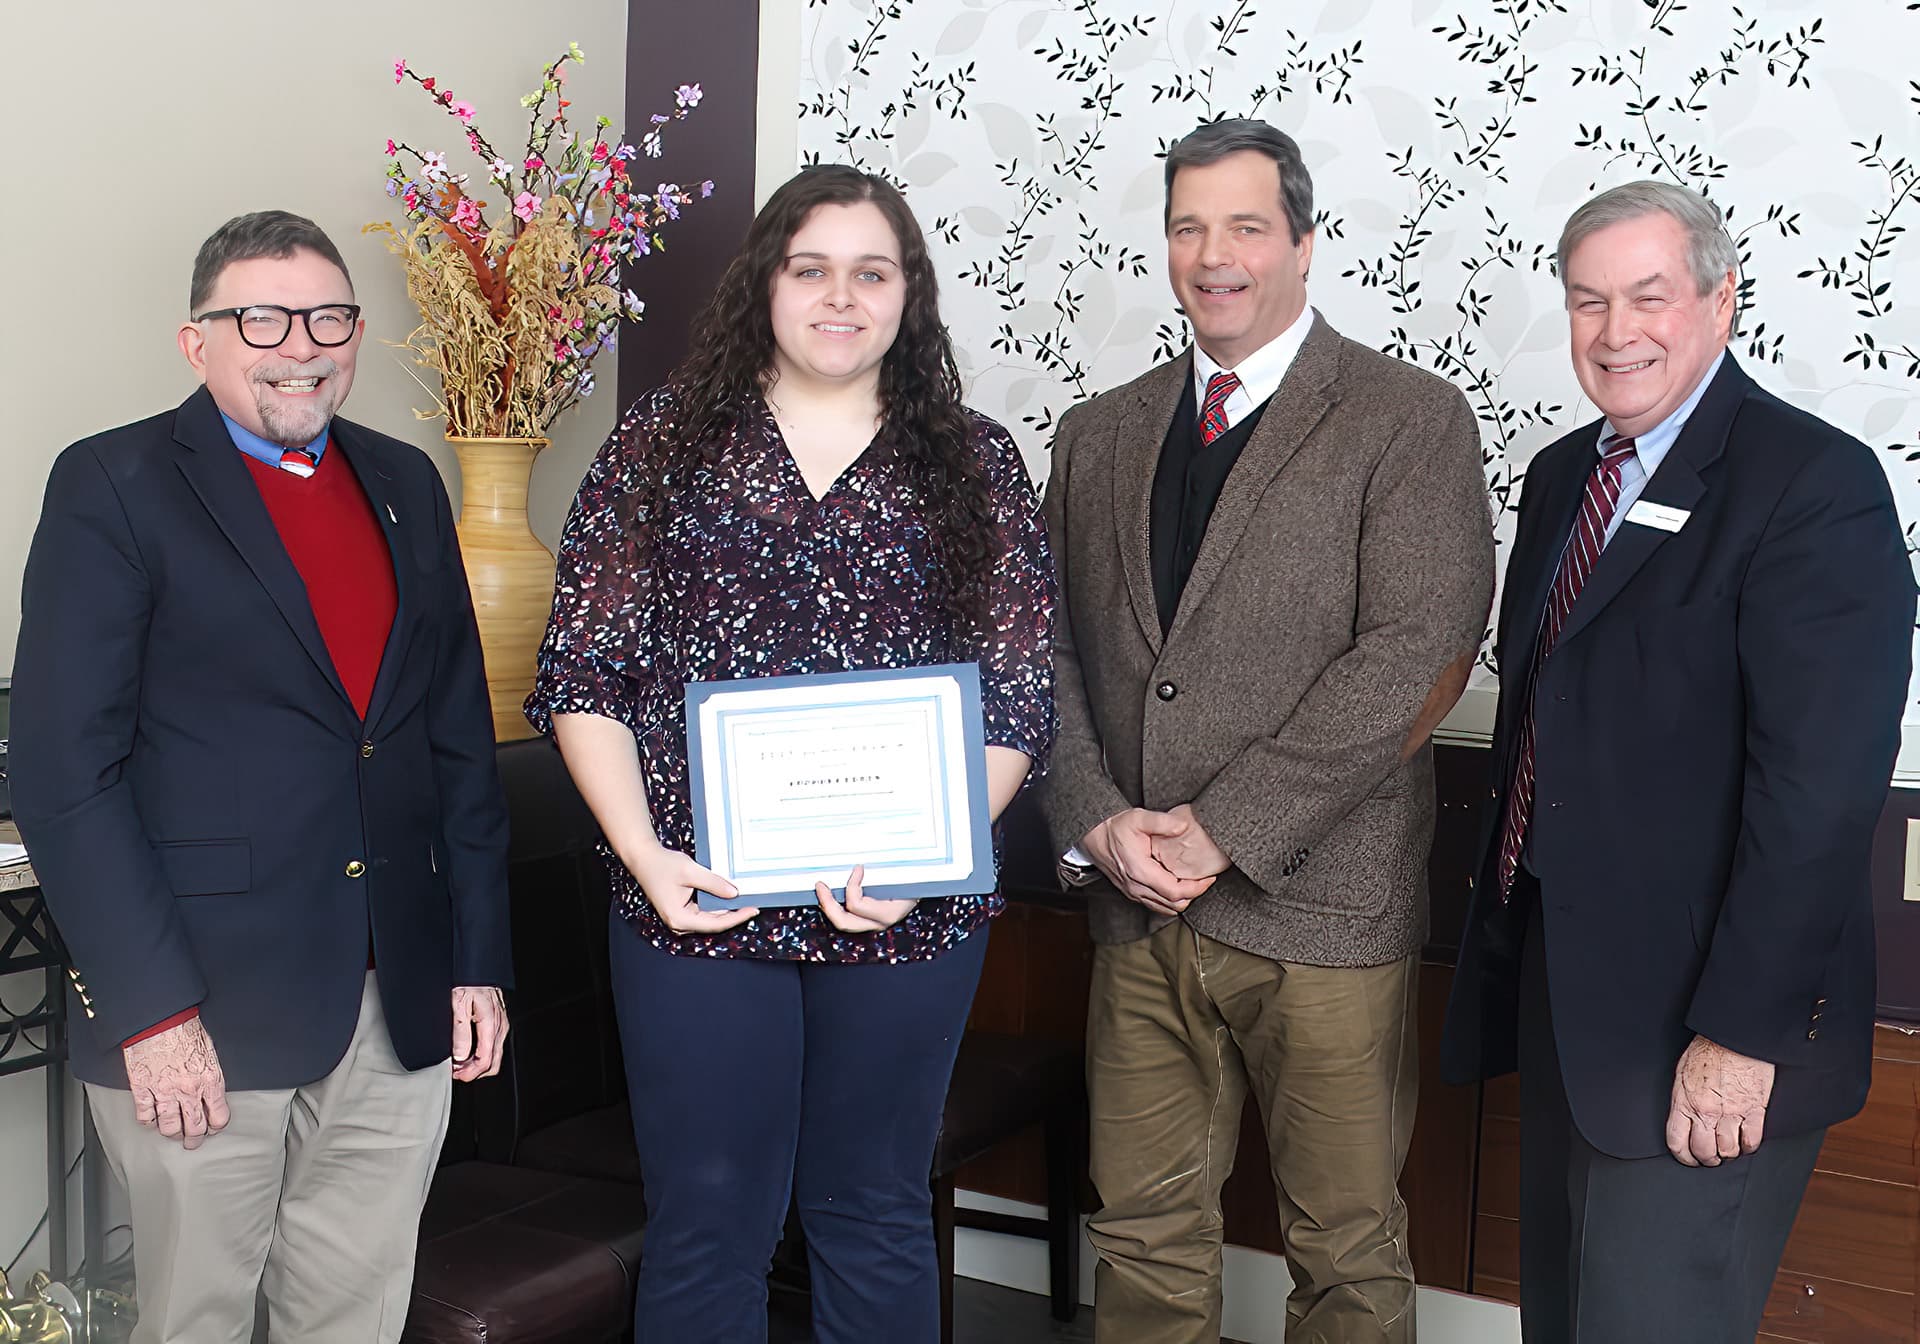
(510, 1255)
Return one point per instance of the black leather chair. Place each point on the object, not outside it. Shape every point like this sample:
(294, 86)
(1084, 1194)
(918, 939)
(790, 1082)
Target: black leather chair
(533, 1227)
(561, 1101)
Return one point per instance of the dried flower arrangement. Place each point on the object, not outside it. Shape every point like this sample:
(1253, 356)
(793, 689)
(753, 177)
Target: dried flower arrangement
(516, 302)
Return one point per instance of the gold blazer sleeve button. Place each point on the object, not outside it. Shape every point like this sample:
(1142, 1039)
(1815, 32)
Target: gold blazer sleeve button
(356, 868)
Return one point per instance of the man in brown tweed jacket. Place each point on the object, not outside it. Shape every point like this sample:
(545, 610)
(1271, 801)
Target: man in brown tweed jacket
(1276, 562)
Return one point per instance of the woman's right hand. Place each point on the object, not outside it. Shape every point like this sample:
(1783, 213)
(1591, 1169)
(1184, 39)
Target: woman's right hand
(672, 881)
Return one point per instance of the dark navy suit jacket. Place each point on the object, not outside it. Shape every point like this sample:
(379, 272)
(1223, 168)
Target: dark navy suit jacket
(1715, 733)
(210, 820)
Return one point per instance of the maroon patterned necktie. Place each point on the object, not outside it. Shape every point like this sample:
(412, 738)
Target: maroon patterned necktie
(1213, 415)
(1584, 545)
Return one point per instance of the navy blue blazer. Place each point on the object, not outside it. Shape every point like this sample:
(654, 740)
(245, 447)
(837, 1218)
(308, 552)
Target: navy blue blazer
(209, 818)
(1715, 732)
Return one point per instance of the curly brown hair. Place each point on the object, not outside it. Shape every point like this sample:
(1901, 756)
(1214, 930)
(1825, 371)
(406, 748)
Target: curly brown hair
(732, 356)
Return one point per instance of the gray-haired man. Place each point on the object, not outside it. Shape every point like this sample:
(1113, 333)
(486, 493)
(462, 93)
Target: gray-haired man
(1704, 646)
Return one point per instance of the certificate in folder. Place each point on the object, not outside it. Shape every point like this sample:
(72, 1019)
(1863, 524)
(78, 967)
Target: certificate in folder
(795, 780)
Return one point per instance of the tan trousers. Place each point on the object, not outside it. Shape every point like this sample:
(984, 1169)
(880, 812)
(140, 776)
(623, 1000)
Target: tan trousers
(1179, 1027)
(310, 1196)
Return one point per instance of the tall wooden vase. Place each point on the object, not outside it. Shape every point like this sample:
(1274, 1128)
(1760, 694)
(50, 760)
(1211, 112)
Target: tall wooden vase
(510, 572)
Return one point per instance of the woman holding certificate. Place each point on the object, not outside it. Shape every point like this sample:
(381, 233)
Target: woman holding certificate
(807, 497)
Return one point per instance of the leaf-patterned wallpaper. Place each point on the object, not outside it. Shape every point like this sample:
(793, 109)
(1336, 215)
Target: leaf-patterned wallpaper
(1448, 141)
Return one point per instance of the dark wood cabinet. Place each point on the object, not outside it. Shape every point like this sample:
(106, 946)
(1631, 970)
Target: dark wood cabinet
(1851, 1272)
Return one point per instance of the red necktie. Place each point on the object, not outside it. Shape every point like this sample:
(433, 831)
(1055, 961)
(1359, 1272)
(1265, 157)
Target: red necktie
(1213, 415)
(1589, 537)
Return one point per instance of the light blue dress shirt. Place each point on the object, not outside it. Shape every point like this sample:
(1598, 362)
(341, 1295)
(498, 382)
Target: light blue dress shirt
(1650, 449)
(256, 447)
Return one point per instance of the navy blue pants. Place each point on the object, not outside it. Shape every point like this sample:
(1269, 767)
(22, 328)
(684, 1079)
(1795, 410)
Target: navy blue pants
(756, 1081)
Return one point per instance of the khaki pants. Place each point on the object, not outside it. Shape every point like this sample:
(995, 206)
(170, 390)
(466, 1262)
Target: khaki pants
(310, 1196)
(1179, 1027)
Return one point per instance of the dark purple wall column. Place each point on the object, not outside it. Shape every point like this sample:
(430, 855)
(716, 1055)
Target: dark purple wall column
(715, 44)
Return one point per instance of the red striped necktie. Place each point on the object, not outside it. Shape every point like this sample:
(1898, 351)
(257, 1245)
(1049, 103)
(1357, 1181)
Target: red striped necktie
(1213, 415)
(1588, 539)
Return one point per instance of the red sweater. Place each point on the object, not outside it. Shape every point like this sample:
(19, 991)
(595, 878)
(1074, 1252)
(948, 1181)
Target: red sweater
(328, 526)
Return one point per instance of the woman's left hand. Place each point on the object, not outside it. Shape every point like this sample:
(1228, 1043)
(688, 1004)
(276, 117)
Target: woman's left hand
(860, 913)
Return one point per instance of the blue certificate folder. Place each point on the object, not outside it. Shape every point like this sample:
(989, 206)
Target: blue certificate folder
(796, 779)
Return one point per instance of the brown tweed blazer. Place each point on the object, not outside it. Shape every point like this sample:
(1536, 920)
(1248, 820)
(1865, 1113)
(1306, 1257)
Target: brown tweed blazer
(1348, 563)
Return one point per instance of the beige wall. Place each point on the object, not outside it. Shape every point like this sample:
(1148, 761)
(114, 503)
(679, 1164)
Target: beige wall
(777, 137)
(145, 126)
(142, 128)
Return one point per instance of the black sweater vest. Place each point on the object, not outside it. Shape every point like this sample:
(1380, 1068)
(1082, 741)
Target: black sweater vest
(1186, 486)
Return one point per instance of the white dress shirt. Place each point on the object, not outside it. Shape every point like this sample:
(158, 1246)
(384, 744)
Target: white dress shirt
(1260, 372)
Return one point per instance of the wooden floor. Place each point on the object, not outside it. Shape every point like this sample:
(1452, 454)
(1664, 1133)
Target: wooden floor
(983, 1313)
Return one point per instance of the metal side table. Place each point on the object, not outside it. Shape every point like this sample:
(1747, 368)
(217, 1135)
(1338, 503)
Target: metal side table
(29, 942)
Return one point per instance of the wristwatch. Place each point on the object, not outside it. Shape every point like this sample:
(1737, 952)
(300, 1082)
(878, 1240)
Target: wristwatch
(1075, 873)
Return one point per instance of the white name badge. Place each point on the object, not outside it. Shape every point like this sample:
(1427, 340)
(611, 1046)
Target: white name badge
(1663, 516)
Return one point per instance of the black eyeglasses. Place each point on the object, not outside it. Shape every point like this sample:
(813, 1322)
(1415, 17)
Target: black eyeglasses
(266, 325)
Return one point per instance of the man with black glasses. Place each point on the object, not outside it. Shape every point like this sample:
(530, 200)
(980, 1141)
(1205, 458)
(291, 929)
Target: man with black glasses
(253, 761)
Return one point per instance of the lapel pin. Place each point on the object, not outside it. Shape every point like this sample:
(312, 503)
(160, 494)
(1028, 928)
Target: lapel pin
(391, 517)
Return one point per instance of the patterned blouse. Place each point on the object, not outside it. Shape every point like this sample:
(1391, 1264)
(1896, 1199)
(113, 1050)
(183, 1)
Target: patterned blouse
(751, 576)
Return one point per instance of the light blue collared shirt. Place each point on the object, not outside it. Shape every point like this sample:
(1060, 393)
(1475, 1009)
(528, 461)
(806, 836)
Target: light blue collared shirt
(256, 447)
(1650, 449)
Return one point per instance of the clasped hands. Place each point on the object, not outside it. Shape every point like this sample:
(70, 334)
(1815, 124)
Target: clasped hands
(179, 1088)
(672, 882)
(1161, 860)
